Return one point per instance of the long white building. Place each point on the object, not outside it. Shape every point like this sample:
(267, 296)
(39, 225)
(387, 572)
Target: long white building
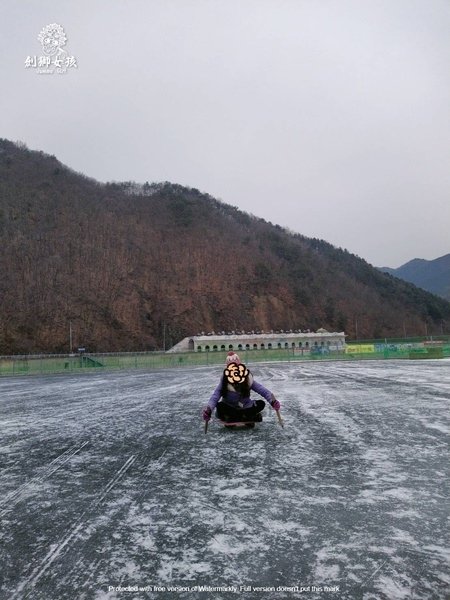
(298, 341)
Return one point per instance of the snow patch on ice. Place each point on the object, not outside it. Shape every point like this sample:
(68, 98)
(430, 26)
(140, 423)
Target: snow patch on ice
(436, 426)
(394, 589)
(439, 551)
(402, 494)
(229, 545)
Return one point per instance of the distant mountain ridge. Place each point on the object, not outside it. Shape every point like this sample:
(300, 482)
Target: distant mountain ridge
(125, 266)
(430, 275)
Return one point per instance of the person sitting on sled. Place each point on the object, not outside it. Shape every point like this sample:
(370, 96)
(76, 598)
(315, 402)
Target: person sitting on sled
(234, 389)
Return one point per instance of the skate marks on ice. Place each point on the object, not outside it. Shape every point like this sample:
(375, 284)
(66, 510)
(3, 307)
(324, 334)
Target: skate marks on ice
(8, 501)
(348, 494)
(68, 505)
(80, 527)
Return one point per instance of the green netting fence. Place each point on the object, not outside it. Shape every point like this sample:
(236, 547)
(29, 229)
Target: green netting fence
(89, 363)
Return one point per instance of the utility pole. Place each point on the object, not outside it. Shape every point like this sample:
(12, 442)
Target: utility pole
(70, 337)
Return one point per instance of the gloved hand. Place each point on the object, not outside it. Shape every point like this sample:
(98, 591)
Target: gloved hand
(207, 413)
(275, 404)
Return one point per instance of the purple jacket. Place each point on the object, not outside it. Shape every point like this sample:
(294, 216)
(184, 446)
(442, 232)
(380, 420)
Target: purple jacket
(234, 399)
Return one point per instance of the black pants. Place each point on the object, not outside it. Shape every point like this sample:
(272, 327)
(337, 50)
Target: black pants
(230, 414)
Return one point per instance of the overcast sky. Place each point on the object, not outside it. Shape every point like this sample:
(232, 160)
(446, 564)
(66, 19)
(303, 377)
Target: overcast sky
(330, 117)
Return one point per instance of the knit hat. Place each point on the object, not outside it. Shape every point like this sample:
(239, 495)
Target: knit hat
(232, 357)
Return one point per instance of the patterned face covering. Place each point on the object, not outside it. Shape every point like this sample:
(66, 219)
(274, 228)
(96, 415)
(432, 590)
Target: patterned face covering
(236, 373)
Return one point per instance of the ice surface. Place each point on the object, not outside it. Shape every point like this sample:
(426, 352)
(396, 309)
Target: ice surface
(108, 480)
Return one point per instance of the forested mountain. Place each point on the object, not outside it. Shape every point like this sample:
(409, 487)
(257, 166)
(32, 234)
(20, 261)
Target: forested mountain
(129, 265)
(431, 275)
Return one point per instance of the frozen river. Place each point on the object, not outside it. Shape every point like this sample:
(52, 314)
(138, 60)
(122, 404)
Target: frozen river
(108, 483)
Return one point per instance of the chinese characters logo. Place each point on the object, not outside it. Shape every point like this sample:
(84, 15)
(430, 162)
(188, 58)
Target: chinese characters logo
(55, 58)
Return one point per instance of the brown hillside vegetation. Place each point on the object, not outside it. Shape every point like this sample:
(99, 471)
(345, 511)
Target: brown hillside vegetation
(129, 264)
